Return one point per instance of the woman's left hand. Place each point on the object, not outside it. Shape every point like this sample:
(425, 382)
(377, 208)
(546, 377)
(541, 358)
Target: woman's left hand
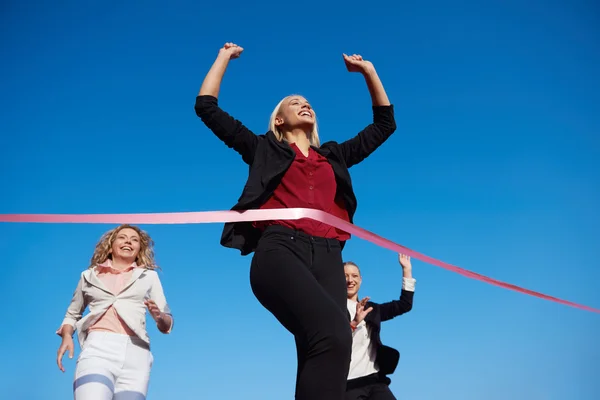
(153, 309)
(355, 63)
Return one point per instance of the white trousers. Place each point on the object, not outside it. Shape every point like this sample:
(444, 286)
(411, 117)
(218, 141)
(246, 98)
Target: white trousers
(112, 367)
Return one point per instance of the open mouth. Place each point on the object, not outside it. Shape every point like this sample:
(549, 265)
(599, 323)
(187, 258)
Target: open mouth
(305, 114)
(126, 248)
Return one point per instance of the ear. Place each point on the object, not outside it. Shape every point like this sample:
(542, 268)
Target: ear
(278, 121)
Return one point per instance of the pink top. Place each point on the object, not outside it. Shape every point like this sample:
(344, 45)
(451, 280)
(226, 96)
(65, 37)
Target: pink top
(114, 280)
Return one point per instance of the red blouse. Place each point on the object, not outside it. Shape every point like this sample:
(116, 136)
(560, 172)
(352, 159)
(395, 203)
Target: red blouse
(308, 183)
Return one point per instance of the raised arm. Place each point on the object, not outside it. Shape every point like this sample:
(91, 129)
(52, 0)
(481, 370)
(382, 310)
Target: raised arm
(374, 135)
(231, 131)
(398, 307)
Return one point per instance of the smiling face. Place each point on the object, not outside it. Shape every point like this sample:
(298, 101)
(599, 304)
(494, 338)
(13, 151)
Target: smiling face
(126, 245)
(353, 279)
(295, 112)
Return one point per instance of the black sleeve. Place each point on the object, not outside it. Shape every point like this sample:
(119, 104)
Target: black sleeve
(231, 131)
(369, 139)
(396, 307)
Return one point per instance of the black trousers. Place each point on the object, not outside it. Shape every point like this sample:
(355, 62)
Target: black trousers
(371, 387)
(300, 280)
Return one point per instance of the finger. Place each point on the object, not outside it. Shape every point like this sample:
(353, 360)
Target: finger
(368, 310)
(71, 351)
(59, 359)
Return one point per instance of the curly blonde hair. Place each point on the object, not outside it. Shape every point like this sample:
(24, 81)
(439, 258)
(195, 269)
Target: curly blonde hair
(145, 257)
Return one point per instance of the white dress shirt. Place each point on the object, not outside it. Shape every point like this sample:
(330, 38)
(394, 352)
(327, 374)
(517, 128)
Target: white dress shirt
(363, 353)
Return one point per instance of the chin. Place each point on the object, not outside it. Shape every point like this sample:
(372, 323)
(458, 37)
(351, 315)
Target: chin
(127, 256)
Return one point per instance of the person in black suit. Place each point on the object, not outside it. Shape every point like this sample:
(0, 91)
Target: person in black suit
(371, 360)
(297, 271)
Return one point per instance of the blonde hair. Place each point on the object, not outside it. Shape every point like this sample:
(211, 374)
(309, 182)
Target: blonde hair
(145, 257)
(353, 264)
(314, 135)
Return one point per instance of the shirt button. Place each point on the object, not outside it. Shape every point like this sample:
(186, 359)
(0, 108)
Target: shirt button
(310, 173)
(310, 187)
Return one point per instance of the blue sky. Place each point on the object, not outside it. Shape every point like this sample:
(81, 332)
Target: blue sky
(495, 167)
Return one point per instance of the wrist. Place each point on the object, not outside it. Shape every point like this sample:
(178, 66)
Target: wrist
(223, 56)
(369, 72)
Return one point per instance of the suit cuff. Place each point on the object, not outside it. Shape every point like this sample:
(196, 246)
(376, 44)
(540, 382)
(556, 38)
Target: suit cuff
(171, 324)
(408, 284)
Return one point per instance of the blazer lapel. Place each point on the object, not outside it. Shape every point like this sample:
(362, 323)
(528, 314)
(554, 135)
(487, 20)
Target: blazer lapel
(372, 317)
(137, 272)
(91, 277)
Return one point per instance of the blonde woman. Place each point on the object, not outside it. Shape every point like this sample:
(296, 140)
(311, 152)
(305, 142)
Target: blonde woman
(297, 271)
(118, 287)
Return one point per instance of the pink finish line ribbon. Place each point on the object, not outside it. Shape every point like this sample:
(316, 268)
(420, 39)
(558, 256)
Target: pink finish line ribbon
(204, 217)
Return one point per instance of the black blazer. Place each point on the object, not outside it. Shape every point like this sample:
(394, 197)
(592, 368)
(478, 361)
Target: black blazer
(386, 358)
(269, 159)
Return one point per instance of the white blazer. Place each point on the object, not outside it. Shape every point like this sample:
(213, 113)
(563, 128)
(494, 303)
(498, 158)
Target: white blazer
(129, 303)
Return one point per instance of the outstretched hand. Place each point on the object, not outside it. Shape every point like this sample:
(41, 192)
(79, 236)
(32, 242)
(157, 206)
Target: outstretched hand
(232, 50)
(405, 262)
(355, 63)
(361, 313)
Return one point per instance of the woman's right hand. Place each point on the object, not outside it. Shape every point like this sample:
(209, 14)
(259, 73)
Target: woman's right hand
(361, 312)
(231, 50)
(67, 344)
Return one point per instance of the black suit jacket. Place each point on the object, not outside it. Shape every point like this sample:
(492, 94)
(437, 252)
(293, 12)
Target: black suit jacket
(268, 160)
(387, 358)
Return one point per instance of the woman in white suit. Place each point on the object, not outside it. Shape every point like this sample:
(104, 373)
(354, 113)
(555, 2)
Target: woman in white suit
(118, 287)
